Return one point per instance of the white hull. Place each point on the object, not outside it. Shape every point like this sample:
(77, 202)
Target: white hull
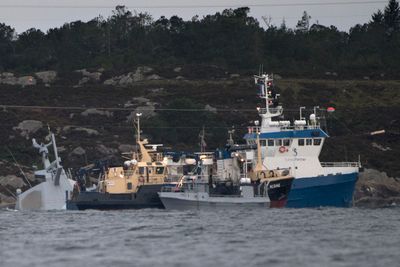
(45, 196)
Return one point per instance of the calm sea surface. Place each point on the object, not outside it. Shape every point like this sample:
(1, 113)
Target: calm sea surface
(284, 237)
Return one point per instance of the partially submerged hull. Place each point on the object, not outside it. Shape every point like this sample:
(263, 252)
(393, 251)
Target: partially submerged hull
(44, 196)
(145, 197)
(52, 192)
(324, 191)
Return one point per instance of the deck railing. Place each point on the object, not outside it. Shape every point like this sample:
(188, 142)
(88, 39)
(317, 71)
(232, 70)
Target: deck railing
(341, 164)
(256, 129)
(278, 110)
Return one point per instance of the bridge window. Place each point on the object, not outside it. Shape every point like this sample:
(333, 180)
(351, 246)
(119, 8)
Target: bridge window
(129, 186)
(278, 142)
(141, 170)
(317, 141)
(286, 142)
(270, 142)
(300, 142)
(159, 170)
(309, 142)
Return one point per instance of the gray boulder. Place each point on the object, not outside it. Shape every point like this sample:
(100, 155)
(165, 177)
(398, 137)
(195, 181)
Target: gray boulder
(153, 77)
(141, 99)
(83, 81)
(88, 76)
(7, 75)
(140, 74)
(12, 181)
(26, 81)
(376, 189)
(28, 127)
(79, 151)
(6, 199)
(68, 129)
(148, 110)
(124, 148)
(128, 79)
(102, 149)
(137, 101)
(9, 78)
(93, 111)
(210, 109)
(113, 81)
(47, 77)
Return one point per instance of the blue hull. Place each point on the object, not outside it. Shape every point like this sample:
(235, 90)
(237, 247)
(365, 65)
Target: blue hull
(331, 191)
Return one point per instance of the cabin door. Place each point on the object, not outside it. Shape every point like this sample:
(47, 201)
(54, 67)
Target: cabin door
(147, 174)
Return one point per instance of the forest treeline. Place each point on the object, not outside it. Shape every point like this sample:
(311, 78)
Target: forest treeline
(230, 39)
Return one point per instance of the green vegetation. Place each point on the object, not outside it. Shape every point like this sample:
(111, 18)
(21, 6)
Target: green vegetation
(230, 39)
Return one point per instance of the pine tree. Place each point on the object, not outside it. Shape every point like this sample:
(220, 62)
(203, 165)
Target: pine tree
(303, 25)
(283, 26)
(392, 16)
(378, 18)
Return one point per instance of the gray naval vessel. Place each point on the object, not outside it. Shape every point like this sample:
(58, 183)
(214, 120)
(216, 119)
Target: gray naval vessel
(235, 178)
(50, 193)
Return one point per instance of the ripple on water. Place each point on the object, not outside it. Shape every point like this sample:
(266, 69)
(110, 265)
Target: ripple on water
(286, 237)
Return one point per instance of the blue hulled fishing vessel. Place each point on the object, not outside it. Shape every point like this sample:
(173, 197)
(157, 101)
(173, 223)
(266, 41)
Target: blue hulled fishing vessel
(297, 145)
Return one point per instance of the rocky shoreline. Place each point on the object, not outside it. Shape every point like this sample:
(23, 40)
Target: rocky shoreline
(376, 189)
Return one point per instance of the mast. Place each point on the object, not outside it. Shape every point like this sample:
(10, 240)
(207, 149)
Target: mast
(53, 140)
(138, 115)
(145, 156)
(267, 92)
(202, 140)
(230, 140)
(259, 165)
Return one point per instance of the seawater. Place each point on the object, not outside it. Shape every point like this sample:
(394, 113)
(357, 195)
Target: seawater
(243, 237)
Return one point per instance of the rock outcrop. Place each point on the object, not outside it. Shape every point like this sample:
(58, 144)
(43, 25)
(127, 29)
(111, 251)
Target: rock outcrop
(125, 148)
(143, 105)
(93, 111)
(12, 181)
(89, 76)
(10, 79)
(5, 199)
(28, 127)
(211, 109)
(106, 151)
(141, 74)
(47, 77)
(68, 129)
(375, 189)
(78, 151)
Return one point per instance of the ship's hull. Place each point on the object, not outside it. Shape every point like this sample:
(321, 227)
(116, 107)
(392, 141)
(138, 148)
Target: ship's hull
(145, 197)
(323, 191)
(174, 203)
(276, 197)
(45, 196)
